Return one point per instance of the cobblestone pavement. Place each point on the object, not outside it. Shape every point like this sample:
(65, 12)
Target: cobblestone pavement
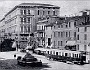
(7, 61)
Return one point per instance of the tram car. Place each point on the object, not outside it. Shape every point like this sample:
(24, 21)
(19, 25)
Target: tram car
(76, 57)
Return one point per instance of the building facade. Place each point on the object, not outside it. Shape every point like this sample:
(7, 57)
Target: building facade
(21, 20)
(83, 37)
(64, 32)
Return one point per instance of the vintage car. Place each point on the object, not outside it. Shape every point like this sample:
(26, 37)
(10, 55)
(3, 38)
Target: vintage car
(28, 59)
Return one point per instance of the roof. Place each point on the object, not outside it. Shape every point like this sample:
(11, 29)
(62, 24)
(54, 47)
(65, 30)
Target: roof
(32, 5)
(48, 25)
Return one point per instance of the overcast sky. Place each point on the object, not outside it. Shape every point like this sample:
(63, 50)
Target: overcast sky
(67, 7)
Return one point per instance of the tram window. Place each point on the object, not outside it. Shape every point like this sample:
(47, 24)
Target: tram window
(50, 52)
(65, 54)
(62, 54)
(53, 52)
(73, 55)
(56, 53)
(59, 53)
(77, 55)
(69, 54)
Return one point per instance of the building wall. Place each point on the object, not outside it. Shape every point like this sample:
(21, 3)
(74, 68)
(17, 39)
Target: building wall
(84, 38)
(16, 20)
(63, 33)
(48, 35)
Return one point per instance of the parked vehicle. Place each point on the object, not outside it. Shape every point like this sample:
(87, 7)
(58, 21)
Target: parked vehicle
(28, 59)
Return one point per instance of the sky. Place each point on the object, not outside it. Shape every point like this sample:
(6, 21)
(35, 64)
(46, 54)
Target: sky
(67, 7)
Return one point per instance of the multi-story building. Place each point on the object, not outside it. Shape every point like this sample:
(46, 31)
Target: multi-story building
(63, 33)
(41, 29)
(2, 30)
(49, 31)
(83, 37)
(41, 32)
(21, 20)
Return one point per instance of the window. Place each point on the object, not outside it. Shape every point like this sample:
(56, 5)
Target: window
(24, 12)
(69, 54)
(85, 36)
(69, 24)
(29, 12)
(85, 47)
(58, 34)
(66, 54)
(54, 34)
(85, 29)
(21, 12)
(69, 33)
(48, 12)
(21, 19)
(78, 29)
(58, 43)
(25, 20)
(38, 12)
(77, 37)
(54, 44)
(25, 29)
(56, 53)
(43, 12)
(61, 43)
(21, 28)
(61, 34)
(29, 19)
(42, 28)
(75, 24)
(78, 47)
(28, 28)
(53, 12)
(50, 52)
(74, 34)
(66, 34)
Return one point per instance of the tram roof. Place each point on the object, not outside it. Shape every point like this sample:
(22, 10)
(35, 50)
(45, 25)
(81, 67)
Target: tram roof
(57, 50)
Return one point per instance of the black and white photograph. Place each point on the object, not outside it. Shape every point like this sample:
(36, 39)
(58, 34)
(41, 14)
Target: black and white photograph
(44, 35)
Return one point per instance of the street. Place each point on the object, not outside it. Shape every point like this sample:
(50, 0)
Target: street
(7, 61)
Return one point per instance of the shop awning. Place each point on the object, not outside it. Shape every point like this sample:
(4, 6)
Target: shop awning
(71, 43)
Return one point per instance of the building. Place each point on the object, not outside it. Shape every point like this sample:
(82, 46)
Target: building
(41, 32)
(49, 29)
(21, 20)
(83, 37)
(63, 32)
(2, 30)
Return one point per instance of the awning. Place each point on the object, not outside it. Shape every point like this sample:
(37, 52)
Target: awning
(71, 43)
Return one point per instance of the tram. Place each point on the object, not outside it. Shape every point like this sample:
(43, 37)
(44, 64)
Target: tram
(76, 57)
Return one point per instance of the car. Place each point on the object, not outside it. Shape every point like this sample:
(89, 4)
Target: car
(28, 59)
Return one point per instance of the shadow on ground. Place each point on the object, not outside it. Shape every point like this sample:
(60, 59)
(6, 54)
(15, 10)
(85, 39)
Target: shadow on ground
(12, 64)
